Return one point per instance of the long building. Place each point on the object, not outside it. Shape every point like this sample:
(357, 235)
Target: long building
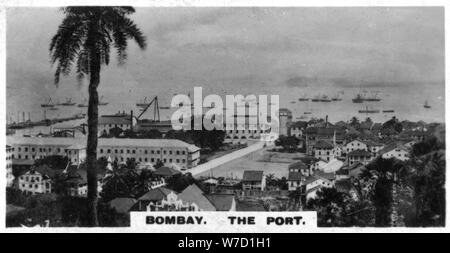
(169, 151)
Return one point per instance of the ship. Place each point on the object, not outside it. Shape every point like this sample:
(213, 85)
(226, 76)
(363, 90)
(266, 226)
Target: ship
(426, 105)
(102, 102)
(336, 98)
(68, 102)
(374, 98)
(307, 113)
(325, 98)
(388, 111)
(358, 99)
(367, 110)
(49, 104)
(83, 104)
(144, 103)
(316, 99)
(304, 98)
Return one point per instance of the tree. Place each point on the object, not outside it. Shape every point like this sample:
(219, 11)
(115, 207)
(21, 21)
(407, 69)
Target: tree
(84, 40)
(287, 142)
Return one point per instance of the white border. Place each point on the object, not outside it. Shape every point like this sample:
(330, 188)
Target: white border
(204, 3)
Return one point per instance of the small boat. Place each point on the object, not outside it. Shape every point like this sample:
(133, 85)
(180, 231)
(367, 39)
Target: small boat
(374, 98)
(325, 98)
(304, 98)
(49, 104)
(292, 102)
(68, 102)
(388, 111)
(144, 103)
(164, 107)
(336, 98)
(316, 99)
(358, 99)
(83, 104)
(426, 105)
(102, 102)
(367, 110)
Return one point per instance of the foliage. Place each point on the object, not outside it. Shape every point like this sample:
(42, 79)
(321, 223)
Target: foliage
(55, 162)
(289, 143)
(277, 183)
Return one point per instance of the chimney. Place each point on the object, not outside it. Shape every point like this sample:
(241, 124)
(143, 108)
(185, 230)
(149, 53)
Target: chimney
(131, 119)
(326, 121)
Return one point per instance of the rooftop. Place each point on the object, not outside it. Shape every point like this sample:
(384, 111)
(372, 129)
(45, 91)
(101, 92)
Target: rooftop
(321, 144)
(298, 166)
(222, 202)
(156, 194)
(166, 171)
(359, 152)
(81, 142)
(194, 195)
(252, 175)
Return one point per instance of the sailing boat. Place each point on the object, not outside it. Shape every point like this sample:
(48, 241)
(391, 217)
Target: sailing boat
(48, 104)
(374, 98)
(102, 102)
(68, 102)
(426, 105)
(83, 104)
(144, 103)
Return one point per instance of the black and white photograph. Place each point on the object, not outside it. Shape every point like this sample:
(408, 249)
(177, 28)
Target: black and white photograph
(203, 118)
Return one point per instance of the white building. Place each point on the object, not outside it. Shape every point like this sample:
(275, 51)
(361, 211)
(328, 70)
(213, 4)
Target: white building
(316, 182)
(395, 151)
(9, 173)
(35, 181)
(169, 151)
(324, 150)
(120, 120)
(355, 145)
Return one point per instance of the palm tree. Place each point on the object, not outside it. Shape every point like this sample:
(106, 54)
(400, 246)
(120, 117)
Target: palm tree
(83, 41)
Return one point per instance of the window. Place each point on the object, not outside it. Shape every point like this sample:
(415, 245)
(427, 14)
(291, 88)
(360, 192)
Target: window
(158, 152)
(128, 151)
(170, 152)
(121, 151)
(19, 149)
(32, 149)
(134, 151)
(178, 160)
(183, 152)
(152, 160)
(109, 151)
(153, 151)
(145, 151)
(178, 152)
(164, 152)
(115, 151)
(101, 151)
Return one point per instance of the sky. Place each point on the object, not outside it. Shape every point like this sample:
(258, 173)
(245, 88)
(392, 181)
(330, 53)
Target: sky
(236, 50)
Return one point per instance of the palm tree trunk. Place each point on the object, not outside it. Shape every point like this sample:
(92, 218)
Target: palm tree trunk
(92, 140)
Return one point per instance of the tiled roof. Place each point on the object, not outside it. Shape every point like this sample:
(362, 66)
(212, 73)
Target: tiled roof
(321, 144)
(252, 175)
(165, 171)
(360, 152)
(67, 142)
(299, 165)
(324, 175)
(122, 205)
(193, 194)
(222, 202)
(106, 120)
(391, 147)
(156, 194)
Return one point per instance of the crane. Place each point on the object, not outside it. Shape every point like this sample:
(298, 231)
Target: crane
(156, 116)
